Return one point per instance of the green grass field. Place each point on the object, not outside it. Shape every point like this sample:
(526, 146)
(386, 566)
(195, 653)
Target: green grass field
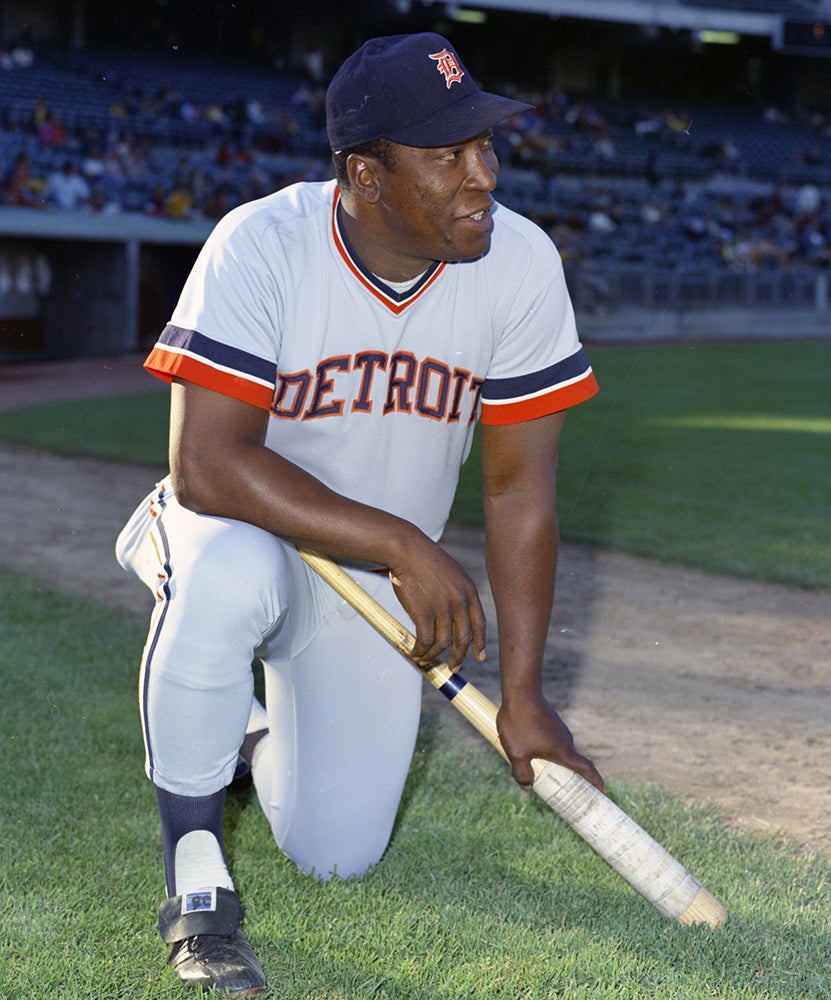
(713, 456)
(717, 457)
(483, 893)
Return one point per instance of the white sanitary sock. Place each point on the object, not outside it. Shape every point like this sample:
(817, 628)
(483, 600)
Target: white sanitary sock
(199, 863)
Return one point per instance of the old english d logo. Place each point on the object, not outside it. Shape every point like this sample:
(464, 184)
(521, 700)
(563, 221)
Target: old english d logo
(448, 66)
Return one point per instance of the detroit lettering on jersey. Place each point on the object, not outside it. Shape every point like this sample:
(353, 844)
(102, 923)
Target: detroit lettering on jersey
(397, 383)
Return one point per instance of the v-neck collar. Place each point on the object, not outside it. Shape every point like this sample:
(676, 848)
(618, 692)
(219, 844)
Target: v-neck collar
(395, 301)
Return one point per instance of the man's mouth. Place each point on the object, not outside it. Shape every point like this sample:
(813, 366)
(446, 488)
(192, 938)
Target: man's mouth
(483, 215)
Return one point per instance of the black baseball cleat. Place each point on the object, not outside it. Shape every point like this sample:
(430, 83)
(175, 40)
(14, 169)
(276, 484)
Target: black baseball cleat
(208, 949)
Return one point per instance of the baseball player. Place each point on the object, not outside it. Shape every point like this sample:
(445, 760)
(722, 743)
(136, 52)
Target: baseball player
(330, 354)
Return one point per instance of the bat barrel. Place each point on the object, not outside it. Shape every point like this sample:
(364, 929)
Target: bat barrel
(647, 866)
(631, 851)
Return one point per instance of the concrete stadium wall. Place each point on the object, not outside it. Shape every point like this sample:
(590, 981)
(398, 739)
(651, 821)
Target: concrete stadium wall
(634, 303)
(644, 326)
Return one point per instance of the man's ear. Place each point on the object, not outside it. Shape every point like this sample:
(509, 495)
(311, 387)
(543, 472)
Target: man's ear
(363, 174)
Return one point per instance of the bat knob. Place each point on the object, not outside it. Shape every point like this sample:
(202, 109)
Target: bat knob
(705, 909)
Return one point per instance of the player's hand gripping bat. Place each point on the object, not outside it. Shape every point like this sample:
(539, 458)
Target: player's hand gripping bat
(646, 866)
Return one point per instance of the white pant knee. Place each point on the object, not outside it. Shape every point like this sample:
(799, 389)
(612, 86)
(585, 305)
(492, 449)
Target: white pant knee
(218, 594)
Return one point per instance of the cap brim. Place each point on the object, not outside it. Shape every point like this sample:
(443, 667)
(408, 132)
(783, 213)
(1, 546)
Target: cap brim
(469, 116)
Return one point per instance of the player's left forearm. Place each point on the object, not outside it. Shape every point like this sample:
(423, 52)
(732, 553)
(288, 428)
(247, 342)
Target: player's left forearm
(521, 545)
(522, 557)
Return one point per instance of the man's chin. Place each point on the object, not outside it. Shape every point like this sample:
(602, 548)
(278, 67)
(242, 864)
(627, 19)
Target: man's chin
(468, 253)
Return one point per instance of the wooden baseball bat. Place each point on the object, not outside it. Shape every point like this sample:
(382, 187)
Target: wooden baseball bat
(634, 854)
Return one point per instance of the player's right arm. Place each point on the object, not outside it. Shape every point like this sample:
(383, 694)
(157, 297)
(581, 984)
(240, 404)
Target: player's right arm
(221, 466)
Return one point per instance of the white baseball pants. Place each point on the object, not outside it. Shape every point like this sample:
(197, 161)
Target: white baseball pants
(343, 706)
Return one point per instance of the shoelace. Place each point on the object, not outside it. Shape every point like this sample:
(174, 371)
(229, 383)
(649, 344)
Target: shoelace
(216, 946)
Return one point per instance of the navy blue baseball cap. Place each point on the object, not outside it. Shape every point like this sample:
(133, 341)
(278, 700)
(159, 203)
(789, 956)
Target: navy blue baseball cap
(412, 89)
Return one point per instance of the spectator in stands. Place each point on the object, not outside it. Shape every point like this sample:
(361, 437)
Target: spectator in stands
(601, 221)
(51, 131)
(39, 112)
(314, 64)
(18, 186)
(255, 111)
(812, 227)
(113, 177)
(647, 122)
(808, 202)
(90, 151)
(167, 100)
(217, 203)
(155, 203)
(66, 189)
(769, 206)
(652, 211)
(102, 203)
(215, 116)
(726, 154)
(179, 203)
(129, 155)
(22, 54)
(118, 109)
(183, 172)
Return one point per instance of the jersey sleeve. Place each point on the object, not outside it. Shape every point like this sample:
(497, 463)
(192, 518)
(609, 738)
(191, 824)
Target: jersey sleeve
(190, 355)
(539, 366)
(224, 331)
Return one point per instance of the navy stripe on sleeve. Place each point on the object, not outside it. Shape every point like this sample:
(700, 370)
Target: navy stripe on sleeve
(221, 355)
(548, 378)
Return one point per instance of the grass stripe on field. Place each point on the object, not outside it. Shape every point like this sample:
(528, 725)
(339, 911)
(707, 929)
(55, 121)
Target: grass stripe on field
(712, 456)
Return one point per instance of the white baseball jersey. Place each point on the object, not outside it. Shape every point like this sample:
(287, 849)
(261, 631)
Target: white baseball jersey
(375, 392)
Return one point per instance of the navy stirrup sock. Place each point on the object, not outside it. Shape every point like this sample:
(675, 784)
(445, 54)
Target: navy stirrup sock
(182, 814)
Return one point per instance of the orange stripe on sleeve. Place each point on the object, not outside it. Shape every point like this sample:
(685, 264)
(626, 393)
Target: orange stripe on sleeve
(168, 365)
(562, 398)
